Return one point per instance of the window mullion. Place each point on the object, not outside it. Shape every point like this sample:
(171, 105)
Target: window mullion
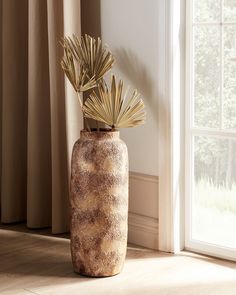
(213, 23)
(221, 64)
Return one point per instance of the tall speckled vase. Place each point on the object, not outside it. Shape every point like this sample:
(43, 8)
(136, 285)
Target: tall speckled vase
(99, 203)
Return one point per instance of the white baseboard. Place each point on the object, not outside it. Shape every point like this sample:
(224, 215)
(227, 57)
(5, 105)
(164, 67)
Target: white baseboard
(143, 194)
(143, 231)
(143, 210)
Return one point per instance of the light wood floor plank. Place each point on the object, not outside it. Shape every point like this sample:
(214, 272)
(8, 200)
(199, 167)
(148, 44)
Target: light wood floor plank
(18, 292)
(35, 263)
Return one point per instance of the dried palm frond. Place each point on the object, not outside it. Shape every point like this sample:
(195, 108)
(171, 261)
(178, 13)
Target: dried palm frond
(115, 110)
(91, 54)
(80, 81)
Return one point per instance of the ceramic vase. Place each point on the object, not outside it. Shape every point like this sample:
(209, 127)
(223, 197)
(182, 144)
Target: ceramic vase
(99, 203)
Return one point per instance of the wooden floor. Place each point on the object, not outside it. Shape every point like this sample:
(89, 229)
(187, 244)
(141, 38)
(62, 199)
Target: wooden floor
(33, 262)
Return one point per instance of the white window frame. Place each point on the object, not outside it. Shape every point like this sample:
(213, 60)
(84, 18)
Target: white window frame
(171, 202)
(190, 131)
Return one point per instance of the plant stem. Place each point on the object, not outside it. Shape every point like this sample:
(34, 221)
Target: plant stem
(82, 109)
(80, 100)
(87, 124)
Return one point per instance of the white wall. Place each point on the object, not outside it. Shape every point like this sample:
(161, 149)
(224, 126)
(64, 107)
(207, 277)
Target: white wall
(130, 28)
(135, 31)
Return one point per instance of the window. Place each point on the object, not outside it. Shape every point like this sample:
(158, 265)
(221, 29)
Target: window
(211, 127)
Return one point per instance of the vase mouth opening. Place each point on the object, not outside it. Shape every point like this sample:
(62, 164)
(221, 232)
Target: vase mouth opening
(100, 133)
(101, 130)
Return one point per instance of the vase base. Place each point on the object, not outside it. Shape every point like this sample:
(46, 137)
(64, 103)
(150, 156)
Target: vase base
(95, 276)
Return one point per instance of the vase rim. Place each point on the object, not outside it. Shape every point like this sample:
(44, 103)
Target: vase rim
(103, 133)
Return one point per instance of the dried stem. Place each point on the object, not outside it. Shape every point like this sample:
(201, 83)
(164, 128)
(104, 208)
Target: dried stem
(82, 108)
(87, 124)
(80, 101)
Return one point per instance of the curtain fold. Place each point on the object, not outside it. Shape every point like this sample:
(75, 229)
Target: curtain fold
(40, 114)
(39, 184)
(14, 109)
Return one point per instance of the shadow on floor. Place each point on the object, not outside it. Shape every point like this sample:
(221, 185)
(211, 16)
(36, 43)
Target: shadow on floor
(22, 227)
(28, 252)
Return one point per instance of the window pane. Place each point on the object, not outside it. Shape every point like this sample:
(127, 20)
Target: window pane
(207, 10)
(230, 10)
(207, 76)
(229, 103)
(214, 191)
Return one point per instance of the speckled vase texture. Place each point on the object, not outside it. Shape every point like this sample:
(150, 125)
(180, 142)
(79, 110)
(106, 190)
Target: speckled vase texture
(99, 203)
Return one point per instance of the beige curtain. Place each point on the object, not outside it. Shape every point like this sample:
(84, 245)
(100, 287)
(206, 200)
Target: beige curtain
(40, 114)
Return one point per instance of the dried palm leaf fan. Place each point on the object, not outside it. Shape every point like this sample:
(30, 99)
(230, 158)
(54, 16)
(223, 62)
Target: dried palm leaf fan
(94, 58)
(85, 62)
(114, 109)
